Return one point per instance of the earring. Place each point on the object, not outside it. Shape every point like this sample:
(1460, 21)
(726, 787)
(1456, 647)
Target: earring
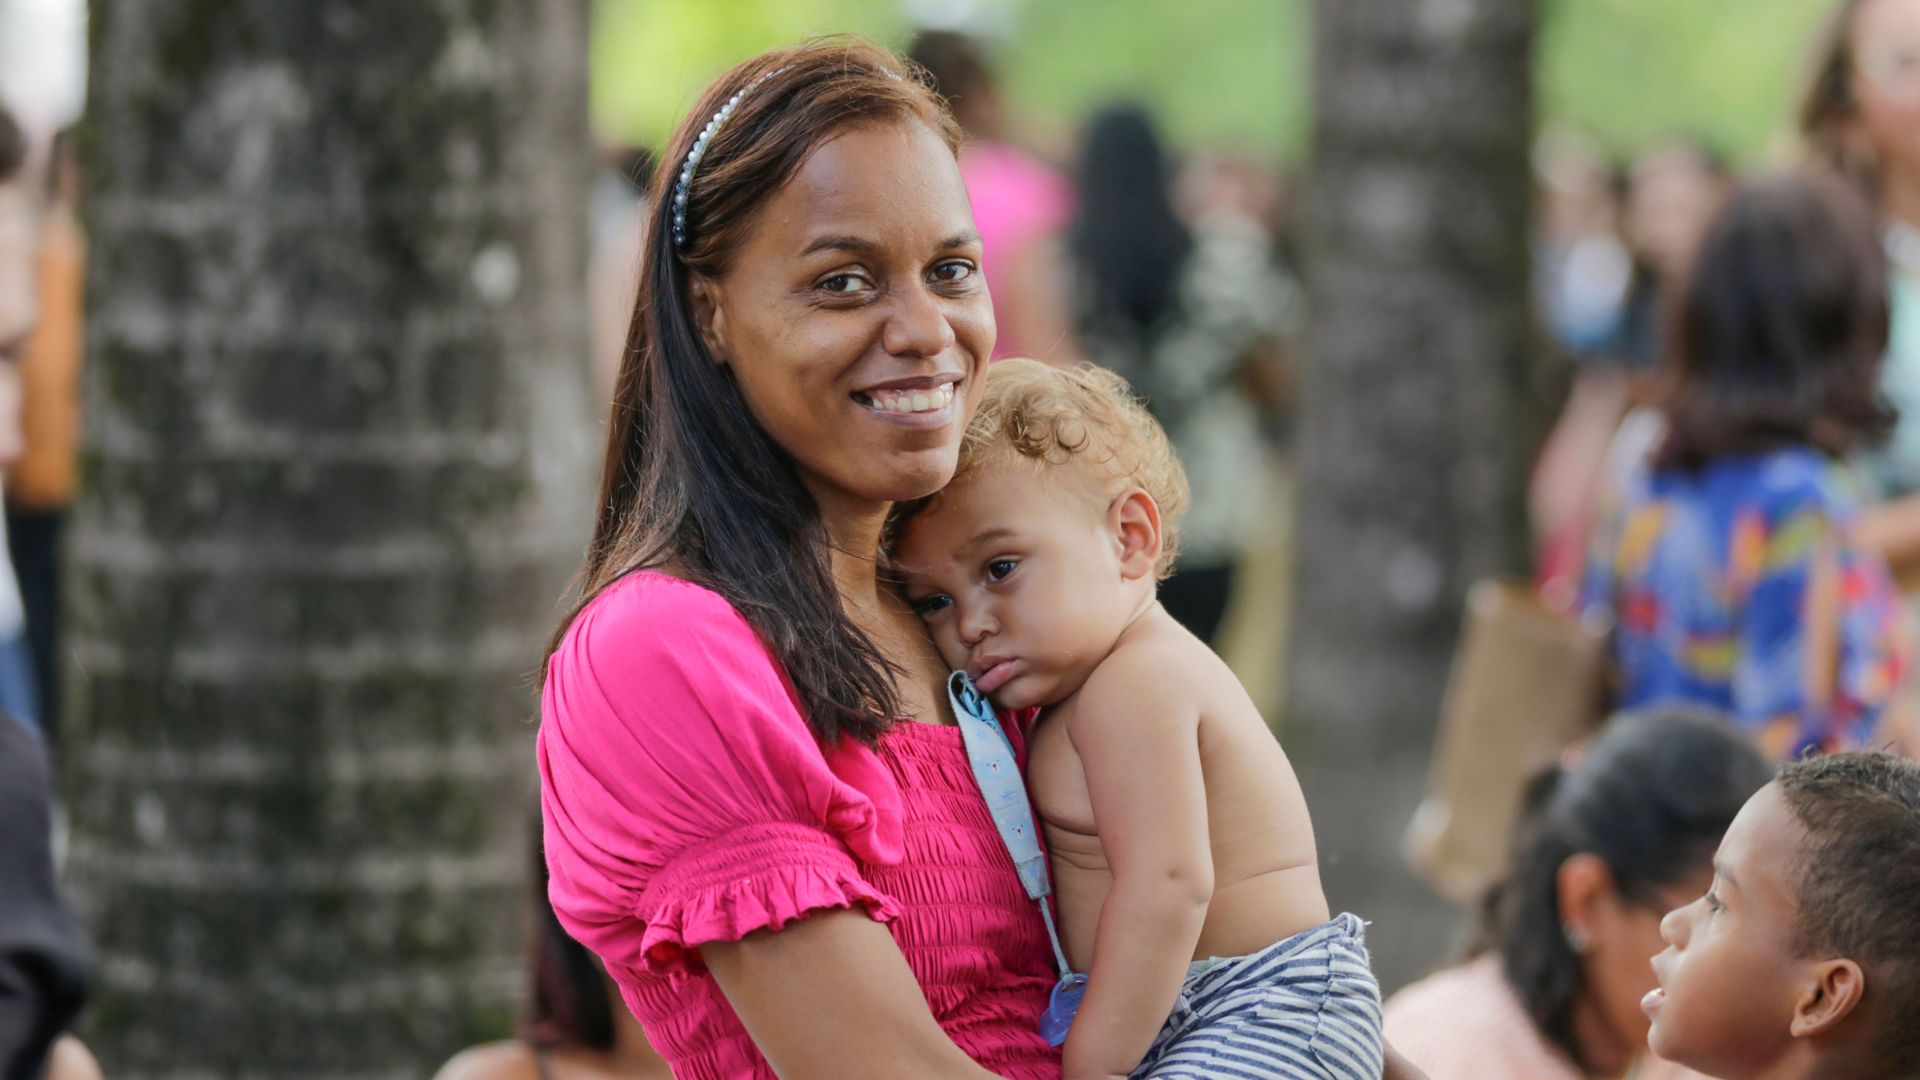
(1577, 939)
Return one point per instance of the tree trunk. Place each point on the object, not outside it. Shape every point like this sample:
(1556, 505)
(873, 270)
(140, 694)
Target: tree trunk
(1415, 428)
(336, 473)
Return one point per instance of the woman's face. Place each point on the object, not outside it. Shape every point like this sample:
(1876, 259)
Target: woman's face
(1624, 937)
(854, 317)
(1886, 83)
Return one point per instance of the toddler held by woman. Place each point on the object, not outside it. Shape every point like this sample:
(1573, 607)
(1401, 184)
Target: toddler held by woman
(1182, 854)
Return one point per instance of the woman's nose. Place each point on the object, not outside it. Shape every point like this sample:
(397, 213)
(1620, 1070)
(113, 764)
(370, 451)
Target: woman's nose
(917, 325)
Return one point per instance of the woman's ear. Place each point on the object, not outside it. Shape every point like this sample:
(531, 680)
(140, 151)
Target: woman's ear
(1133, 518)
(709, 317)
(1585, 884)
(1833, 992)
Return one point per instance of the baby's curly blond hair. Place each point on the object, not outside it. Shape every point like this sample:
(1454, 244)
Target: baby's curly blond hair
(1083, 415)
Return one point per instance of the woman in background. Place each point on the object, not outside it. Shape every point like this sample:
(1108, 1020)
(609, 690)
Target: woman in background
(1731, 566)
(1861, 116)
(1605, 849)
(575, 1028)
(1190, 318)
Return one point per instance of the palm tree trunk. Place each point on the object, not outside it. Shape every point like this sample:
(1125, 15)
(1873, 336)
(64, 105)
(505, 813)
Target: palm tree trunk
(1414, 434)
(335, 474)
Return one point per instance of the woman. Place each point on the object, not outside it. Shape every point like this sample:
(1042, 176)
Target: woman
(1607, 848)
(1861, 115)
(576, 1028)
(1731, 567)
(1190, 319)
(757, 812)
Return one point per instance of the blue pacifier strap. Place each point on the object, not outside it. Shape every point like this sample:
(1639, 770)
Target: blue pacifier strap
(991, 756)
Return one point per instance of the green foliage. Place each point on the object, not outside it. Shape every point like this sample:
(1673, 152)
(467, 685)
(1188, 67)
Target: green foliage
(1236, 71)
(1631, 71)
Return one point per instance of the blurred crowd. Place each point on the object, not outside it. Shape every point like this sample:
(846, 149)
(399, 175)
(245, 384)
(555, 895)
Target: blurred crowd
(1730, 495)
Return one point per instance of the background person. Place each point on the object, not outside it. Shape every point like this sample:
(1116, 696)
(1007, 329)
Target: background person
(1860, 114)
(1020, 203)
(576, 1027)
(1195, 321)
(1607, 847)
(1730, 568)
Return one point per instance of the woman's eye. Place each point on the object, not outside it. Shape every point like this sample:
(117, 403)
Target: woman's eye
(998, 569)
(932, 604)
(841, 283)
(952, 271)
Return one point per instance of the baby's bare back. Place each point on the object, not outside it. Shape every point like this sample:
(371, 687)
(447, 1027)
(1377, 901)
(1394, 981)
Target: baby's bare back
(1266, 880)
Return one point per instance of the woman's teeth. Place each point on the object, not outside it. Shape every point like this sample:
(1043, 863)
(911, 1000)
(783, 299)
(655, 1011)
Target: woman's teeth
(909, 401)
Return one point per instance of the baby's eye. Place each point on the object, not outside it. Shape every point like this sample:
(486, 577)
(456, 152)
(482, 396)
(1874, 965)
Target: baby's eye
(998, 569)
(929, 605)
(1714, 904)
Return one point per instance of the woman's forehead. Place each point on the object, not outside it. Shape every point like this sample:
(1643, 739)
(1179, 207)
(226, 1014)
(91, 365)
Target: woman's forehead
(874, 181)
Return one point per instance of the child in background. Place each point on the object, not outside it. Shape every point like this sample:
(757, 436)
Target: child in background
(1803, 960)
(1730, 563)
(1182, 854)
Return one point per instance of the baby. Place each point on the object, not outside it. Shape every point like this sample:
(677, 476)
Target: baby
(1803, 960)
(1183, 859)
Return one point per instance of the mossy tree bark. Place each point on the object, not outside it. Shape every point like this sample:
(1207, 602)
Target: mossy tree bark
(1414, 436)
(336, 473)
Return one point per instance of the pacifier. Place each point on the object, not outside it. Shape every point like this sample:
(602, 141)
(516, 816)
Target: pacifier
(1061, 1005)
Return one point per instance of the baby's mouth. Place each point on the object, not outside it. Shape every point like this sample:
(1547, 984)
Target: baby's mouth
(906, 402)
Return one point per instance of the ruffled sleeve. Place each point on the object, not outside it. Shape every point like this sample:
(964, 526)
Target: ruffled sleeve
(684, 799)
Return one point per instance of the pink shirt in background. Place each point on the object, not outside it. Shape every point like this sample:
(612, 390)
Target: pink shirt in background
(1465, 1023)
(686, 801)
(1017, 201)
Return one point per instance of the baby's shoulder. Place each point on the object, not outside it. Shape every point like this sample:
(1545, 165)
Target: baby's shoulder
(1152, 674)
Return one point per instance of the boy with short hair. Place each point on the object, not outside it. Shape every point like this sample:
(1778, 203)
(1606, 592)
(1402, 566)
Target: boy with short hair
(1803, 960)
(1183, 857)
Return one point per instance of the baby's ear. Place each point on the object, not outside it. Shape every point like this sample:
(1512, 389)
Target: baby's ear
(1835, 990)
(1134, 520)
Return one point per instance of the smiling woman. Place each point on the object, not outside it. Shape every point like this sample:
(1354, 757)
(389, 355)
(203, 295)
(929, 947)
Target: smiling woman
(756, 812)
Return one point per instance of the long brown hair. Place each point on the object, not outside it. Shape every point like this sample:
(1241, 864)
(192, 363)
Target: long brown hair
(692, 483)
(1780, 328)
(1827, 104)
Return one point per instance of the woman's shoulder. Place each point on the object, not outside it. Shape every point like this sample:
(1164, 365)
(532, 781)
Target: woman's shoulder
(650, 617)
(647, 598)
(510, 1060)
(660, 653)
(1464, 1022)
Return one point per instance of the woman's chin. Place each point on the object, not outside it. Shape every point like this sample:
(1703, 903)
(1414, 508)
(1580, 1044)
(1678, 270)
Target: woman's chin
(914, 475)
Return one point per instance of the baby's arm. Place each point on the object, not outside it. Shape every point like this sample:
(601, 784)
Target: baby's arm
(1138, 742)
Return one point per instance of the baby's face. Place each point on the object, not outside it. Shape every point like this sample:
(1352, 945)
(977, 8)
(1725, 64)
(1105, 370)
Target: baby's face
(1728, 977)
(1017, 575)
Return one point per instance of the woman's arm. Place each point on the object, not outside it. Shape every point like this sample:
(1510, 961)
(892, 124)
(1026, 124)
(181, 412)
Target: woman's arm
(1893, 529)
(830, 997)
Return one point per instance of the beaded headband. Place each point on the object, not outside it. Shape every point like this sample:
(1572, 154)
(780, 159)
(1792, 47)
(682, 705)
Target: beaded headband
(685, 180)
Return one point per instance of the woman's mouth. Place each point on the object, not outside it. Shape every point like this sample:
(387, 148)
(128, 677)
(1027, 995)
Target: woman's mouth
(913, 401)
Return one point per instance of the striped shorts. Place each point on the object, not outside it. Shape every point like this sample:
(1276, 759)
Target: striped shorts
(1308, 1007)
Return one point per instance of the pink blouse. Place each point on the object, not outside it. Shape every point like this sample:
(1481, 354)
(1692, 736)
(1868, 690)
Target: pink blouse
(1465, 1023)
(686, 801)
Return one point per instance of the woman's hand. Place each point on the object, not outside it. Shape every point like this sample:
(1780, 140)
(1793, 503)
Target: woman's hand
(831, 998)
